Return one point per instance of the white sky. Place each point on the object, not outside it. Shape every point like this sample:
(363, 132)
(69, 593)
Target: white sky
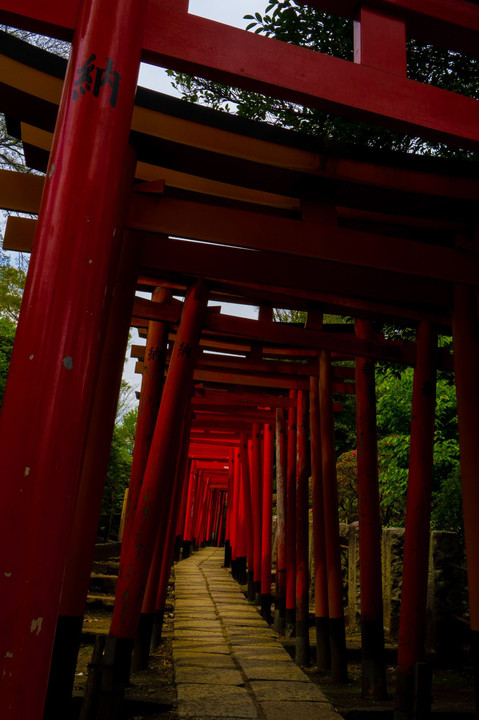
(230, 12)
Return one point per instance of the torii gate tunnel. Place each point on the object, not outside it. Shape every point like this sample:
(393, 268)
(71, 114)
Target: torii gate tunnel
(269, 219)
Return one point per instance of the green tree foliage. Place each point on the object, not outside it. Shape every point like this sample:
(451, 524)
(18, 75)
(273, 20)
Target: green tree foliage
(117, 479)
(394, 397)
(12, 282)
(291, 22)
(7, 335)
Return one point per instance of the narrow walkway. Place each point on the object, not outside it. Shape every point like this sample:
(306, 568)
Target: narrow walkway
(228, 662)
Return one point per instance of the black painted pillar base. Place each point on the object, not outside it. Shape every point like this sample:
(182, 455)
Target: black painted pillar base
(241, 572)
(323, 644)
(290, 623)
(373, 667)
(475, 665)
(157, 628)
(280, 616)
(251, 589)
(141, 651)
(413, 697)
(115, 676)
(265, 601)
(257, 592)
(337, 635)
(227, 563)
(234, 569)
(63, 665)
(177, 549)
(186, 547)
(404, 696)
(302, 650)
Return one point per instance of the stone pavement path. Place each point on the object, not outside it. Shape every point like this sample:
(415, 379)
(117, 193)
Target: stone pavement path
(228, 662)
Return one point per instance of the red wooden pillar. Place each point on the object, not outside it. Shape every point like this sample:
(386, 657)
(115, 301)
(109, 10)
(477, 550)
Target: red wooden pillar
(161, 560)
(256, 501)
(236, 549)
(466, 362)
(58, 343)
(247, 504)
(323, 646)
(190, 509)
(372, 629)
(79, 560)
(302, 532)
(412, 626)
(291, 521)
(331, 521)
(158, 481)
(281, 469)
(229, 510)
(167, 559)
(151, 387)
(267, 524)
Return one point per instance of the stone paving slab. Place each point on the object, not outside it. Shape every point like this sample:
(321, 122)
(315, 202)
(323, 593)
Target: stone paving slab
(229, 664)
(203, 659)
(279, 691)
(273, 671)
(208, 675)
(282, 710)
(213, 701)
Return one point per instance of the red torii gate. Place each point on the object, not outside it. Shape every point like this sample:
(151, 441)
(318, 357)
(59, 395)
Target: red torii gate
(77, 253)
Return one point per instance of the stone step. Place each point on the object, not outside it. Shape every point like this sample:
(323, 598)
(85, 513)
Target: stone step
(103, 583)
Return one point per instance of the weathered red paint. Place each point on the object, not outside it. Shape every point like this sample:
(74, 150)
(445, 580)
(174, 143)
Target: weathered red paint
(412, 627)
(380, 40)
(151, 387)
(158, 479)
(47, 403)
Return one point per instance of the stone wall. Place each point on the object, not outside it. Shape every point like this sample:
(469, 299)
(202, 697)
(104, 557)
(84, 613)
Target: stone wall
(446, 585)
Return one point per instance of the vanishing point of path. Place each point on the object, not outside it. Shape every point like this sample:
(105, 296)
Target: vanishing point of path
(228, 661)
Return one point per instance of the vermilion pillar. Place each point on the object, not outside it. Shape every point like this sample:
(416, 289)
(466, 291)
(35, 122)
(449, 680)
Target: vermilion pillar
(59, 337)
(162, 559)
(81, 551)
(229, 509)
(247, 504)
(257, 500)
(151, 387)
(291, 521)
(331, 521)
(466, 362)
(157, 488)
(267, 523)
(323, 646)
(412, 626)
(372, 631)
(236, 542)
(281, 447)
(302, 532)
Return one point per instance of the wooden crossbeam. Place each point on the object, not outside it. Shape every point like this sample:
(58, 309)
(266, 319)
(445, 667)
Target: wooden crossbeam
(452, 25)
(253, 62)
(257, 63)
(311, 239)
